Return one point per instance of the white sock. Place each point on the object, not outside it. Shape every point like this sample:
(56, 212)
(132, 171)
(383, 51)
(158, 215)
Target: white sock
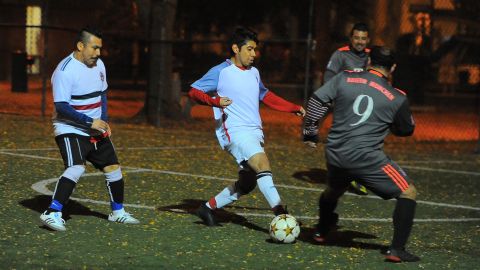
(269, 191)
(225, 197)
(119, 212)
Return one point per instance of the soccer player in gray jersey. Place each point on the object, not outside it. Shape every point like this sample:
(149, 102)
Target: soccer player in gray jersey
(365, 108)
(352, 57)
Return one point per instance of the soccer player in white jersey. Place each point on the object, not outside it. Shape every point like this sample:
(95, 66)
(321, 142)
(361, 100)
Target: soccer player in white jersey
(239, 91)
(81, 129)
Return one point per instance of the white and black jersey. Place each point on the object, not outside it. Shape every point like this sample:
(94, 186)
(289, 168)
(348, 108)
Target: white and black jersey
(81, 87)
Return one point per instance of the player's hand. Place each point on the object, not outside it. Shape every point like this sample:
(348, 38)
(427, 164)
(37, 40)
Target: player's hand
(107, 132)
(310, 144)
(101, 126)
(310, 140)
(300, 112)
(225, 101)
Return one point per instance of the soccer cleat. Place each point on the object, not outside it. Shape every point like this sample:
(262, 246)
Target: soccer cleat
(324, 227)
(319, 237)
(206, 214)
(358, 189)
(400, 255)
(122, 217)
(53, 220)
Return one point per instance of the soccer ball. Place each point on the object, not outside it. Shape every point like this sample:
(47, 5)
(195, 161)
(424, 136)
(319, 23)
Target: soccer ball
(284, 228)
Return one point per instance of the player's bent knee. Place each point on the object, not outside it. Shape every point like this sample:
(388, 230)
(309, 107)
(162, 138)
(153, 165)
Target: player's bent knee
(111, 168)
(409, 193)
(74, 172)
(247, 181)
(259, 162)
(114, 175)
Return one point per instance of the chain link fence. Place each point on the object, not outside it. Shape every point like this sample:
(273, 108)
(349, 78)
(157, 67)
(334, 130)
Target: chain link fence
(435, 41)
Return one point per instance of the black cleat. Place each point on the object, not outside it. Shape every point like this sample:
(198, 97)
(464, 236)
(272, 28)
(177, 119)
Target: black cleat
(206, 214)
(400, 255)
(320, 238)
(324, 227)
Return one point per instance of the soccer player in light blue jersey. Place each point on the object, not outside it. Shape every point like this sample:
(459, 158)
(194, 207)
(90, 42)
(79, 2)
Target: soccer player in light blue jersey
(238, 92)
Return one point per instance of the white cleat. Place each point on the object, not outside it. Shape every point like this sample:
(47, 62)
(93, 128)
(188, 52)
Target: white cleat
(53, 221)
(122, 217)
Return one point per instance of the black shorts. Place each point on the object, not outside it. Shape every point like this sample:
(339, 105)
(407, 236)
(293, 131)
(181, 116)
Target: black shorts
(76, 150)
(386, 179)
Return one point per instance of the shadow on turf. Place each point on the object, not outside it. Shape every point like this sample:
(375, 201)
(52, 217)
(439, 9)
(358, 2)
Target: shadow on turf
(338, 238)
(189, 206)
(314, 175)
(41, 202)
(342, 238)
(319, 176)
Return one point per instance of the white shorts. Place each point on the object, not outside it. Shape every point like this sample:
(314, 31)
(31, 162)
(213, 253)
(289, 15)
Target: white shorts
(244, 144)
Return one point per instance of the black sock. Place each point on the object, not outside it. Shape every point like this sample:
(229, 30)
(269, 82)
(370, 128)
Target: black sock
(402, 221)
(279, 210)
(116, 189)
(63, 191)
(326, 214)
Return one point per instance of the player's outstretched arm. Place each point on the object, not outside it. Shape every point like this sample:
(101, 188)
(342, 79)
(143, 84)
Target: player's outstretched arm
(277, 103)
(316, 111)
(204, 99)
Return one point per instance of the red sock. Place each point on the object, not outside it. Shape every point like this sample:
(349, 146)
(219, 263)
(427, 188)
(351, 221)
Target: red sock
(212, 203)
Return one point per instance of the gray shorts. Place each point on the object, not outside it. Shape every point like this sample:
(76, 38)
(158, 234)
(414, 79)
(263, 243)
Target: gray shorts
(386, 179)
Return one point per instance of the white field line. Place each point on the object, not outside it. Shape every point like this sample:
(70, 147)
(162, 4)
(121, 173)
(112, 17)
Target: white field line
(206, 147)
(389, 220)
(9, 152)
(41, 187)
(213, 146)
(131, 148)
(135, 169)
(439, 161)
(28, 156)
(298, 187)
(118, 148)
(440, 170)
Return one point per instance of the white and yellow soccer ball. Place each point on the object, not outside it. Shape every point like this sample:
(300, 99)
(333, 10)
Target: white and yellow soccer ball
(284, 228)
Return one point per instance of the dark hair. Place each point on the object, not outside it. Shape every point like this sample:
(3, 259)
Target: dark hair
(241, 36)
(382, 56)
(360, 26)
(84, 34)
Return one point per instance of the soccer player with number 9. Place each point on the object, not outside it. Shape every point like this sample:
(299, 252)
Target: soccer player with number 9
(365, 108)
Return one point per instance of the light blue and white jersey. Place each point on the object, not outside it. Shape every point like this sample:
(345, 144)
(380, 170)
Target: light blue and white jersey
(245, 88)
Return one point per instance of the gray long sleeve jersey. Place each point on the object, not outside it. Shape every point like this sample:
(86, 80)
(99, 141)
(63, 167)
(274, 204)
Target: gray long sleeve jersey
(365, 108)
